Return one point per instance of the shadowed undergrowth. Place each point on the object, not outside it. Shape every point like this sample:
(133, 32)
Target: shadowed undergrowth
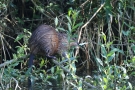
(105, 32)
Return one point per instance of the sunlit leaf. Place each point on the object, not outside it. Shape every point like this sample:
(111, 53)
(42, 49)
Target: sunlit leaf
(19, 37)
(109, 44)
(80, 85)
(75, 15)
(110, 58)
(105, 80)
(56, 21)
(99, 61)
(69, 20)
(103, 36)
(42, 63)
(133, 59)
(70, 11)
(41, 75)
(81, 44)
(124, 70)
(130, 85)
(77, 25)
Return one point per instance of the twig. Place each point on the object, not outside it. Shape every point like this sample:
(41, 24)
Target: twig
(79, 37)
(40, 9)
(89, 21)
(128, 20)
(11, 61)
(16, 83)
(93, 16)
(1, 76)
(84, 3)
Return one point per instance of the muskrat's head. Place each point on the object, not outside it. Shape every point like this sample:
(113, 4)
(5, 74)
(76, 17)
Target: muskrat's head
(66, 43)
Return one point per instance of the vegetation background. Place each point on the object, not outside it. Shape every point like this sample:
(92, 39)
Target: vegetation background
(105, 31)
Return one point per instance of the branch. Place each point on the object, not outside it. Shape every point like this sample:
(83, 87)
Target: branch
(88, 84)
(79, 37)
(12, 60)
(90, 20)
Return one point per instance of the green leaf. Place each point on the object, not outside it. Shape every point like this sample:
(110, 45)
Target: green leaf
(70, 11)
(56, 21)
(133, 59)
(126, 33)
(61, 29)
(52, 70)
(69, 20)
(111, 57)
(19, 37)
(133, 48)
(111, 53)
(105, 80)
(103, 51)
(109, 44)
(77, 25)
(41, 75)
(132, 7)
(117, 50)
(103, 36)
(124, 70)
(42, 63)
(130, 85)
(80, 84)
(99, 61)
(73, 67)
(69, 27)
(75, 15)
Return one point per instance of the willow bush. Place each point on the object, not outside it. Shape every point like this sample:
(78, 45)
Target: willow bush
(105, 32)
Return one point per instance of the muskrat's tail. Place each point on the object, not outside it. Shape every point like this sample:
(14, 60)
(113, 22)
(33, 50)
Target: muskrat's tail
(30, 63)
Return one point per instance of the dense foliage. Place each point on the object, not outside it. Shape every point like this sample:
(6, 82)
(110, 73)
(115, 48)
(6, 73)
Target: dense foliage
(105, 30)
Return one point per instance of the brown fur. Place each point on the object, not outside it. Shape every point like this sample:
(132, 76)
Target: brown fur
(45, 40)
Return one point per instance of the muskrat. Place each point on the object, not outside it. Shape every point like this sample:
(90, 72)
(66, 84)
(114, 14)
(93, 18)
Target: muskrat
(46, 41)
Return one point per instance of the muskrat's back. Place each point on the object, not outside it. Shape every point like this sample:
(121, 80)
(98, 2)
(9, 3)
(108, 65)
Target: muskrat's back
(44, 40)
